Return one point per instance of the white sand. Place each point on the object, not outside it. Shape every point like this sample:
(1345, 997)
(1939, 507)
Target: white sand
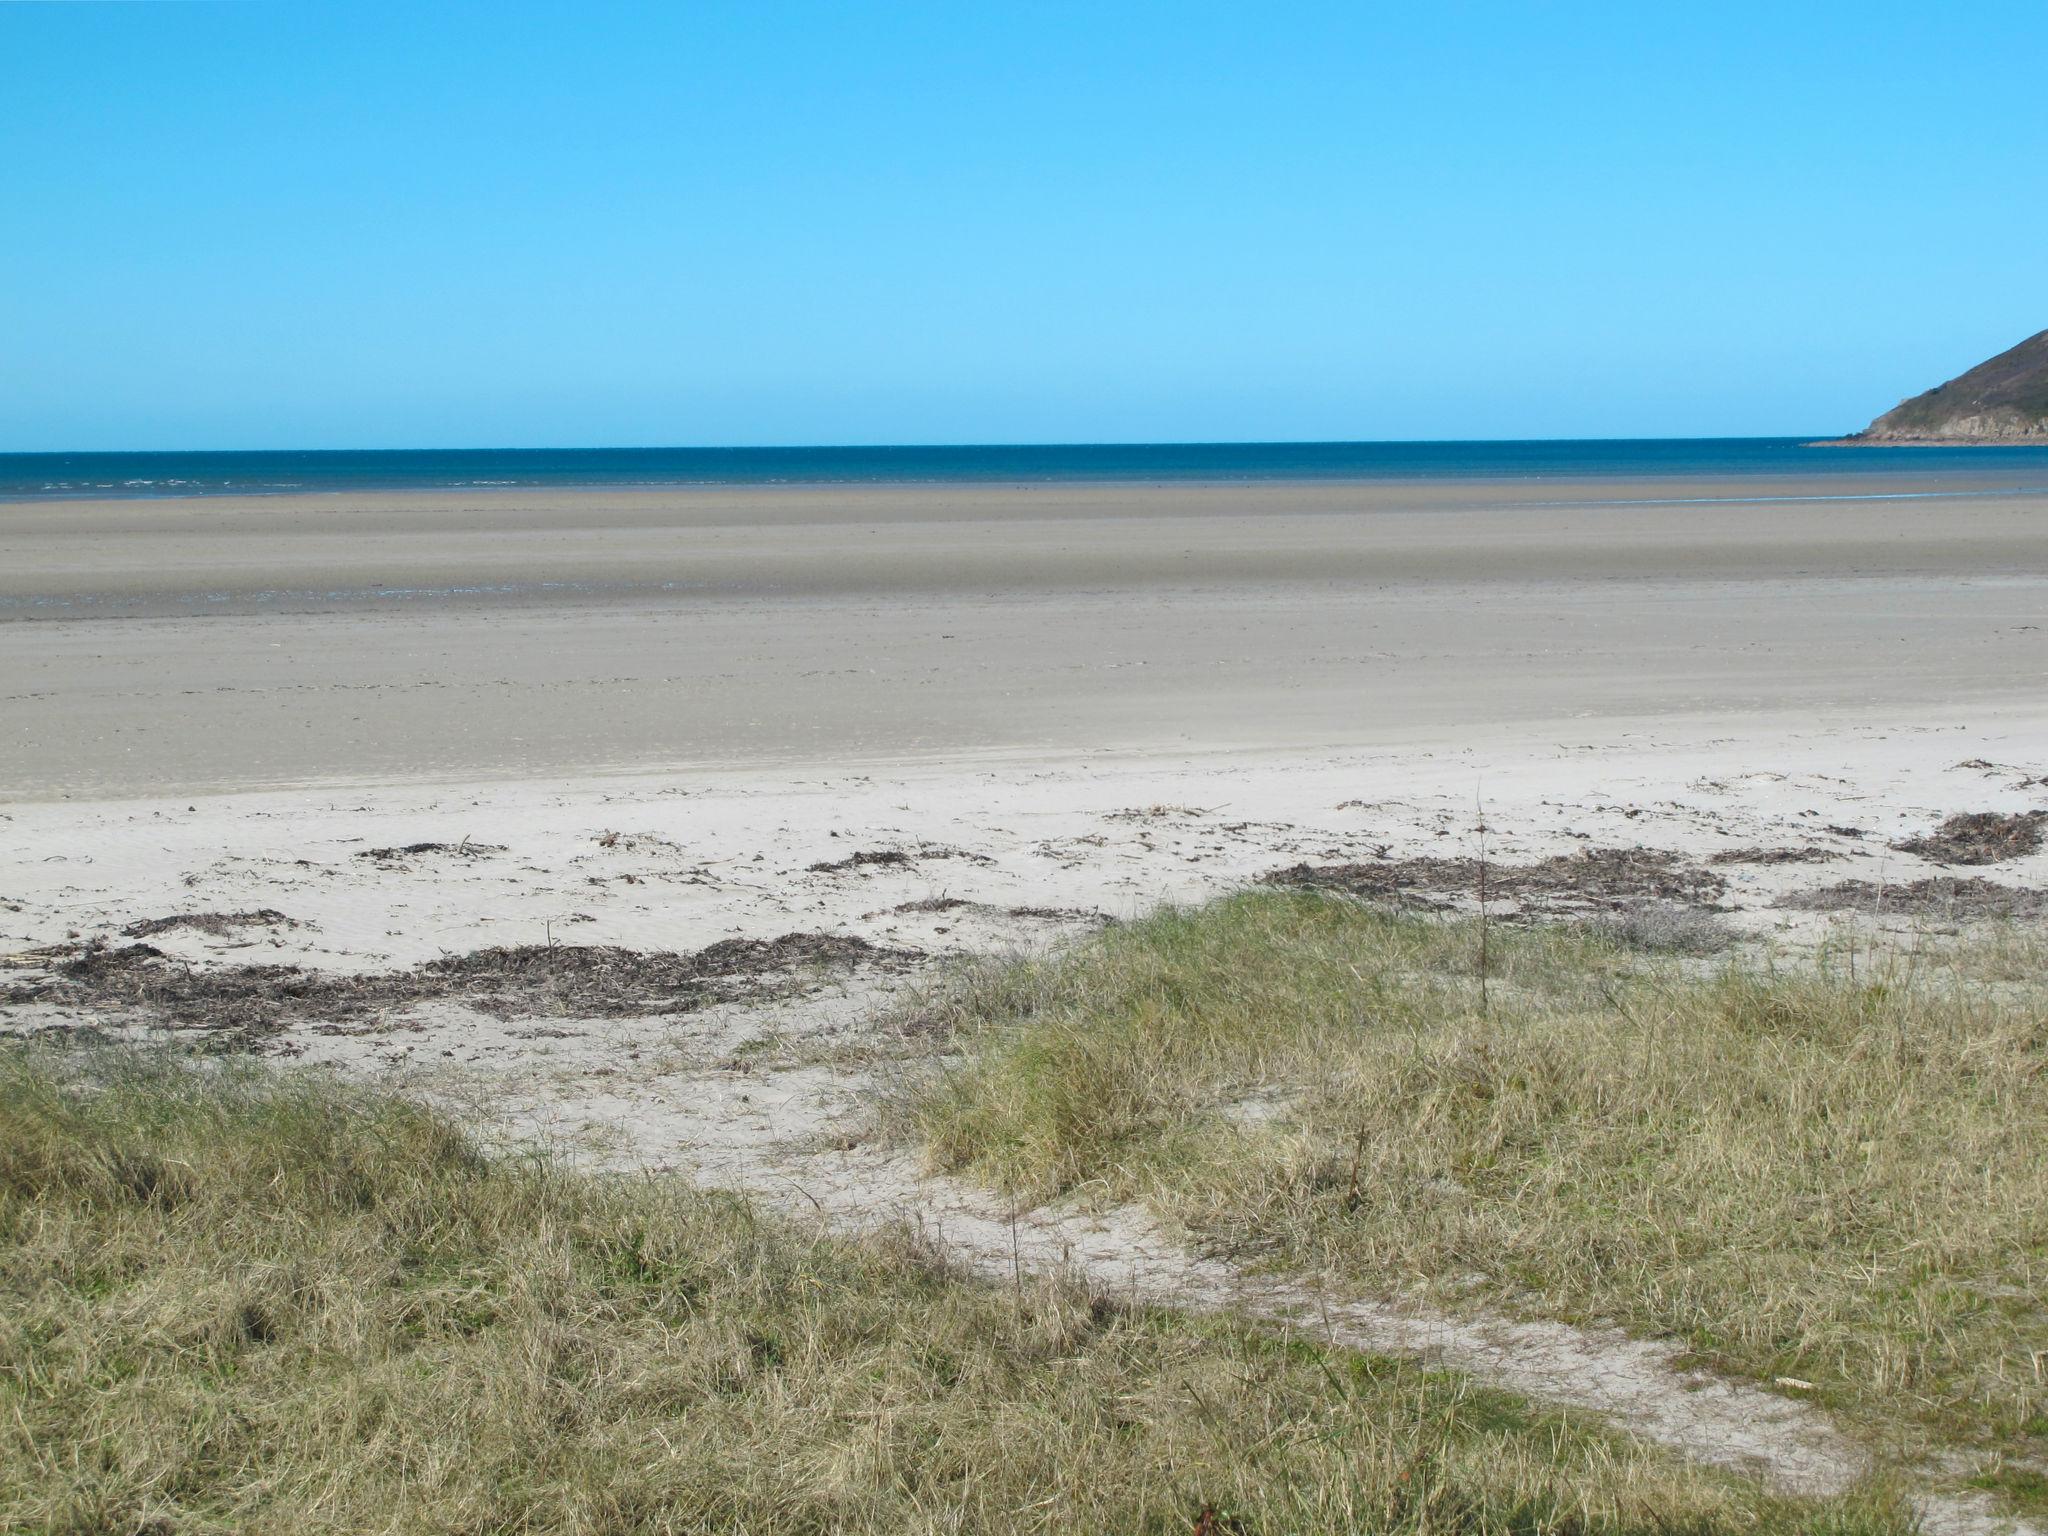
(715, 853)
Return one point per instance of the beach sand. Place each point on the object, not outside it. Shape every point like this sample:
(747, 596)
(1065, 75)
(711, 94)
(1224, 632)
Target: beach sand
(197, 693)
(1098, 697)
(180, 647)
(659, 710)
(661, 720)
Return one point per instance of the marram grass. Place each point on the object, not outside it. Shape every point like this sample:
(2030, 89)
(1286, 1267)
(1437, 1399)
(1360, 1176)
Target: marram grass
(1836, 1173)
(232, 1300)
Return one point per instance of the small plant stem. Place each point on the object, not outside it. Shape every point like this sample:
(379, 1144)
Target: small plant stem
(1485, 1003)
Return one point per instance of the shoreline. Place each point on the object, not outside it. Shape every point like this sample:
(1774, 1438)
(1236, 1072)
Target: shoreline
(1581, 483)
(183, 475)
(2037, 440)
(1021, 483)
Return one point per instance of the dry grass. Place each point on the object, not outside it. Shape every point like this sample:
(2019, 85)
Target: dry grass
(1824, 1173)
(238, 1300)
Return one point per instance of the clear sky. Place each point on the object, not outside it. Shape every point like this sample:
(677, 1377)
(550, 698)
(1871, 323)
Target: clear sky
(258, 223)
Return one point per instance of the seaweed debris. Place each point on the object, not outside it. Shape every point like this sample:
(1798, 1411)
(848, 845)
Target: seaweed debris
(246, 1004)
(219, 924)
(462, 850)
(1807, 855)
(1599, 879)
(1979, 837)
(891, 858)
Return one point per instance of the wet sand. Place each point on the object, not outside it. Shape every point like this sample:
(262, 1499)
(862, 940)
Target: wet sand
(233, 643)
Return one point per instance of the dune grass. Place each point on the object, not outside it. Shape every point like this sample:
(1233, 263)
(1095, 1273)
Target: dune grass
(1836, 1173)
(237, 1300)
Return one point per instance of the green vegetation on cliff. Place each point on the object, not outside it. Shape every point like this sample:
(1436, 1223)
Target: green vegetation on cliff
(2002, 400)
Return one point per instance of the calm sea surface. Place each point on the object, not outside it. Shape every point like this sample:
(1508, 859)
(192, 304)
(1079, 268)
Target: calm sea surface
(42, 475)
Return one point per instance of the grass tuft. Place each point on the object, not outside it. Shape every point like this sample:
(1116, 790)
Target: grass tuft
(1834, 1173)
(235, 1299)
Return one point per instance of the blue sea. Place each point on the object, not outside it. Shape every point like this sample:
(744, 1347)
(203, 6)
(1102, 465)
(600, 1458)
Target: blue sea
(39, 476)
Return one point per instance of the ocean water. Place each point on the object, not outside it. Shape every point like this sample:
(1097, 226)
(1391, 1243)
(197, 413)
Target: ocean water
(35, 476)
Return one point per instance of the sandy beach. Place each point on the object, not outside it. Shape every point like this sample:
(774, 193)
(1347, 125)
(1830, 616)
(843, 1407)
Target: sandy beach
(657, 720)
(1072, 700)
(182, 647)
(761, 676)
(867, 733)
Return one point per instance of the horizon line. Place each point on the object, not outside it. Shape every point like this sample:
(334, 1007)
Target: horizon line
(856, 447)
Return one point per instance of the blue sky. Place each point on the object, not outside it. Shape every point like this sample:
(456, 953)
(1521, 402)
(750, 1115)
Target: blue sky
(252, 223)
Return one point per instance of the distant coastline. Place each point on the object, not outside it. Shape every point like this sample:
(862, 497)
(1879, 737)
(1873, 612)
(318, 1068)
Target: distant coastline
(1969, 444)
